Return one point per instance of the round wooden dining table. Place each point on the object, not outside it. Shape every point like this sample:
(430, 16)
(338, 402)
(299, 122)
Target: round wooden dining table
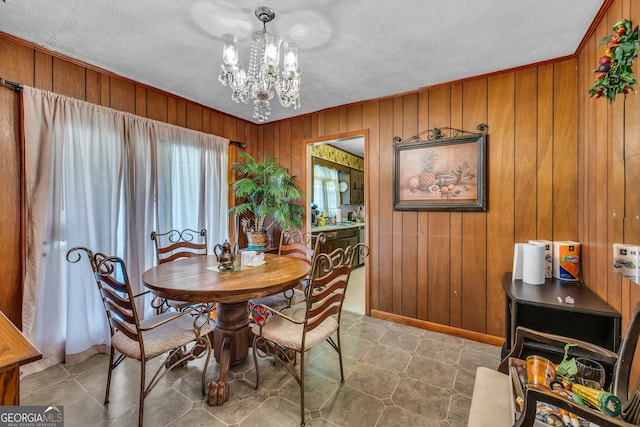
(198, 280)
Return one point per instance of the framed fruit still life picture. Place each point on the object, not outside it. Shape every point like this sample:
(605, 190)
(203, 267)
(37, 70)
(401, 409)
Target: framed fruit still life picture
(441, 174)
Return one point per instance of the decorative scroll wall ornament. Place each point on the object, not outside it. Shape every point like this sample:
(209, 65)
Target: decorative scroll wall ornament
(614, 74)
(447, 171)
(438, 133)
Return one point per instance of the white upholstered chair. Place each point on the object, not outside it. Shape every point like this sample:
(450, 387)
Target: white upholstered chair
(164, 334)
(286, 334)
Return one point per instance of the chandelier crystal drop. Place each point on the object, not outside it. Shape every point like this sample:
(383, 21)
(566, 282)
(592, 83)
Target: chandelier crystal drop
(262, 80)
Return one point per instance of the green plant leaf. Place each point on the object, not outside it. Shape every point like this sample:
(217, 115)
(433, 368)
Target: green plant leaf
(265, 189)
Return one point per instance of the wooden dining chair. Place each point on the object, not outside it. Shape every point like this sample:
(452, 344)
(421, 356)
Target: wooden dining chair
(297, 244)
(173, 245)
(293, 331)
(167, 333)
(620, 362)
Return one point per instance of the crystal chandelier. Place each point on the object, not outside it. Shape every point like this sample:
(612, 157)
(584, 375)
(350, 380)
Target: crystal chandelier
(262, 80)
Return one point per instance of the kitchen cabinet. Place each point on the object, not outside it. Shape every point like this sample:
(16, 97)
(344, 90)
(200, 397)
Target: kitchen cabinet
(357, 187)
(348, 237)
(340, 238)
(329, 245)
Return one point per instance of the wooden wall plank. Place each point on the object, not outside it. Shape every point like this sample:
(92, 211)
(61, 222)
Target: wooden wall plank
(122, 96)
(354, 115)
(298, 158)
(92, 87)
(544, 144)
(615, 163)
(457, 263)
(43, 71)
(587, 166)
(331, 123)
(474, 225)
(194, 116)
(371, 122)
(397, 225)
(565, 148)
(181, 113)
(501, 217)
(409, 245)
(157, 106)
(525, 158)
(439, 226)
(141, 101)
(105, 90)
(385, 228)
(68, 79)
(422, 254)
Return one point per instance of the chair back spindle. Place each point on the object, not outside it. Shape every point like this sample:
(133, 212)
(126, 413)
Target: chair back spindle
(176, 244)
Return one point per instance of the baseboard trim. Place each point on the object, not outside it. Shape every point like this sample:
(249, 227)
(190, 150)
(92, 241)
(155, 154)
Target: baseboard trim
(436, 327)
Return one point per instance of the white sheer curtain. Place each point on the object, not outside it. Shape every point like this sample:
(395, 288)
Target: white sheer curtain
(192, 175)
(92, 179)
(326, 189)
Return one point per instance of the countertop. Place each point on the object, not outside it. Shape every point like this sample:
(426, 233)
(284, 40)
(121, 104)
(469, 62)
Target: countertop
(339, 226)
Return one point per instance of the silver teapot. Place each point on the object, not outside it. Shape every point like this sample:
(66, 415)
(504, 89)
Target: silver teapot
(226, 255)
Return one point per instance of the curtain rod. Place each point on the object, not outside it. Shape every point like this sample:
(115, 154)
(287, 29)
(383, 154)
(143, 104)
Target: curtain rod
(16, 86)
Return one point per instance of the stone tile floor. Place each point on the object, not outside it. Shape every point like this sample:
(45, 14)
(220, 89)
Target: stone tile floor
(395, 375)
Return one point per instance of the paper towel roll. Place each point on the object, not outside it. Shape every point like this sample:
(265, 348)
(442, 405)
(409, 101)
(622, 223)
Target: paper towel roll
(516, 273)
(566, 260)
(338, 215)
(548, 256)
(533, 264)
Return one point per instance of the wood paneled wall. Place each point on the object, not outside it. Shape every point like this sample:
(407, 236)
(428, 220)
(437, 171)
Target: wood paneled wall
(446, 267)
(553, 173)
(609, 136)
(24, 64)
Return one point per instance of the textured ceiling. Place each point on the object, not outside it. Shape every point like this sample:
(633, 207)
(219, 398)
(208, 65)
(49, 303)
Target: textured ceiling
(350, 50)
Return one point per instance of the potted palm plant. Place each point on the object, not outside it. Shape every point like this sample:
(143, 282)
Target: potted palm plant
(267, 194)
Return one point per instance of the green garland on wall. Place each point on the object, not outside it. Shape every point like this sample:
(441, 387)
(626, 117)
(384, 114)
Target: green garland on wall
(614, 74)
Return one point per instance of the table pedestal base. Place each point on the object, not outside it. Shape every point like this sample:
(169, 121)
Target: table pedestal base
(230, 346)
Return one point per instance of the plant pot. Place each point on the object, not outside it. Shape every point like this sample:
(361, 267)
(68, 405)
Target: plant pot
(256, 239)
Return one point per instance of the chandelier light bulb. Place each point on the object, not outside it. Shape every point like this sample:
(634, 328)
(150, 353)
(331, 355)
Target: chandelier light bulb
(230, 50)
(261, 81)
(290, 60)
(272, 50)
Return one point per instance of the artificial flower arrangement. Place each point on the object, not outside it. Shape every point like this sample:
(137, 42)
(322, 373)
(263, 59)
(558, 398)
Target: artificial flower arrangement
(614, 74)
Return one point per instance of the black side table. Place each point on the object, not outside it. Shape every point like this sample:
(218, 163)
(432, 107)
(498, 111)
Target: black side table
(545, 308)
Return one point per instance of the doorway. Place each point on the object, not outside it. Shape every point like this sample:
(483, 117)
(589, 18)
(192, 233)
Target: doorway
(353, 200)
